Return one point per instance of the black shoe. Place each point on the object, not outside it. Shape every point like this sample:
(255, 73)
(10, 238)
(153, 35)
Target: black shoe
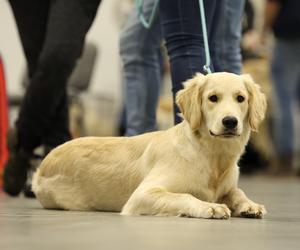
(35, 161)
(28, 192)
(15, 170)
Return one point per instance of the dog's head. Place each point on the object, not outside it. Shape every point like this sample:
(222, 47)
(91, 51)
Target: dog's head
(222, 104)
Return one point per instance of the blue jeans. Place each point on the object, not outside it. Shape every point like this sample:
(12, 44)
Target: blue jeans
(142, 80)
(184, 40)
(285, 70)
(227, 39)
(140, 50)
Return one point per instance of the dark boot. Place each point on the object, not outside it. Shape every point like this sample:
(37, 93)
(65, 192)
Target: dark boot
(27, 190)
(15, 171)
(34, 164)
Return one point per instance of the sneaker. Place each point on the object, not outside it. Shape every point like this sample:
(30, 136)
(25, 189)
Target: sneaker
(15, 170)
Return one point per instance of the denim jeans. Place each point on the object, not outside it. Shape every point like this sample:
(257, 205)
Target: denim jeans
(140, 77)
(182, 31)
(228, 36)
(140, 50)
(285, 70)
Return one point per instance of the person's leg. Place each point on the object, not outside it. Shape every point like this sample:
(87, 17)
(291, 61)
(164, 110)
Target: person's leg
(31, 19)
(59, 132)
(139, 49)
(44, 108)
(297, 124)
(45, 98)
(285, 74)
(216, 36)
(226, 36)
(184, 40)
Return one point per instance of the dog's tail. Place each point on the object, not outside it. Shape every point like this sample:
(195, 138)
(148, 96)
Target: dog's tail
(43, 194)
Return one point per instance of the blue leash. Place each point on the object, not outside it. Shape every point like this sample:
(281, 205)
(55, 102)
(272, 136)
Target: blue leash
(206, 67)
(148, 23)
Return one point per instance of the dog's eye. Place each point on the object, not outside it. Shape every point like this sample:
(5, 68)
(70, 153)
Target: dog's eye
(240, 98)
(213, 98)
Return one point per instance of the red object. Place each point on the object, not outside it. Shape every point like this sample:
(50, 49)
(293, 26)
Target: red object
(3, 121)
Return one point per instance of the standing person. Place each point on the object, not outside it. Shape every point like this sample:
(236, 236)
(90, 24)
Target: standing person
(140, 50)
(182, 31)
(284, 19)
(52, 33)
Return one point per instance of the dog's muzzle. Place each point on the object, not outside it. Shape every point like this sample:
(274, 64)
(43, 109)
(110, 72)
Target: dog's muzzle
(226, 134)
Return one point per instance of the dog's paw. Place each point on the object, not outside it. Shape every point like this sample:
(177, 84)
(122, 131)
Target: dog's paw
(216, 211)
(251, 210)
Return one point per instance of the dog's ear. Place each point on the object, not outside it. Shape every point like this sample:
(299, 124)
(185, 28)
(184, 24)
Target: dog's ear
(257, 102)
(189, 100)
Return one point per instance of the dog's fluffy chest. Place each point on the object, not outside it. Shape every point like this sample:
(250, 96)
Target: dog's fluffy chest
(210, 188)
(210, 180)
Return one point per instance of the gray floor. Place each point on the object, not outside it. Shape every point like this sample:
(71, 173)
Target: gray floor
(25, 225)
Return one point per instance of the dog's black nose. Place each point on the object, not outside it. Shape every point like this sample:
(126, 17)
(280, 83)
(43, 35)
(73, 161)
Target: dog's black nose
(230, 122)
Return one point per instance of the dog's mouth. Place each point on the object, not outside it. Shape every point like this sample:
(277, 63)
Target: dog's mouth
(227, 134)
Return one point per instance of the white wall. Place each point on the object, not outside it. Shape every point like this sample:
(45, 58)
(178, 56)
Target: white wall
(10, 49)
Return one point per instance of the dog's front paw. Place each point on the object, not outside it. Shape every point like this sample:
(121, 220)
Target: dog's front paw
(251, 210)
(217, 211)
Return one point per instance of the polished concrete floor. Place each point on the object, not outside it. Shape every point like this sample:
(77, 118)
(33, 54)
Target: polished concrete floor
(25, 225)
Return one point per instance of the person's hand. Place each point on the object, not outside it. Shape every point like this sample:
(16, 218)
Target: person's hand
(251, 41)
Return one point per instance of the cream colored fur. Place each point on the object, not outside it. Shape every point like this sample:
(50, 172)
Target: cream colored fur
(183, 171)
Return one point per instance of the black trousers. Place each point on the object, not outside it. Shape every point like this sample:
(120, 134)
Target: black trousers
(52, 33)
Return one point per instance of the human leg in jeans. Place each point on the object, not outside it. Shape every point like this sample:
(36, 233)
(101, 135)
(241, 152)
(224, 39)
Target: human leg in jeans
(285, 71)
(184, 39)
(53, 38)
(227, 36)
(140, 50)
(224, 37)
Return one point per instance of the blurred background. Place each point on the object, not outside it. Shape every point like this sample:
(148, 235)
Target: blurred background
(96, 91)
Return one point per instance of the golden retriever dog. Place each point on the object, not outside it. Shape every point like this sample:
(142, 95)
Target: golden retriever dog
(188, 170)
